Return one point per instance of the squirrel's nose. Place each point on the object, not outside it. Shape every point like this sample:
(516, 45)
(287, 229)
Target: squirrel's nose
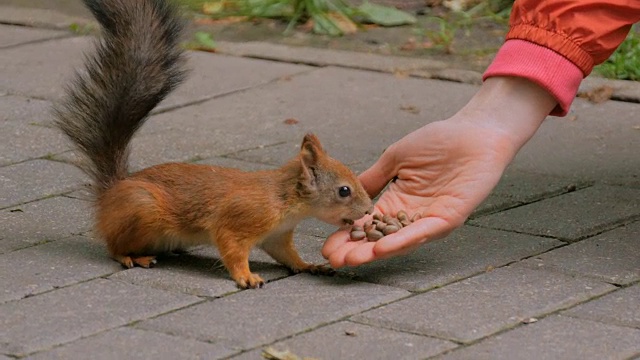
(370, 211)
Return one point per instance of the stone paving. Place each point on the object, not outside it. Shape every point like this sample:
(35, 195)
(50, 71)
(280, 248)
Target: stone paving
(547, 268)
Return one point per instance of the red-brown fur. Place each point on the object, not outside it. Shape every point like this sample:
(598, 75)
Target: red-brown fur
(174, 206)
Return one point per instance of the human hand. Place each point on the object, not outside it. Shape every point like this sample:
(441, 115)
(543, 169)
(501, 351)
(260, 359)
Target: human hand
(444, 170)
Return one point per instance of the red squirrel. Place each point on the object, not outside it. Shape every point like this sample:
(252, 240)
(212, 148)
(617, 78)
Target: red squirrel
(173, 206)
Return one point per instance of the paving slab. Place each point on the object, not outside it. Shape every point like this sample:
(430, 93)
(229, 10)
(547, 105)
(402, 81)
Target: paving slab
(200, 271)
(618, 308)
(280, 309)
(213, 75)
(49, 266)
(466, 252)
(64, 315)
(572, 216)
(16, 35)
(517, 188)
(30, 74)
(48, 17)
(36, 179)
(335, 104)
(611, 256)
(131, 343)
(20, 142)
(325, 57)
(596, 142)
(623, 90)
(24, 133)
(195, 274)
(42, 221)
(348, 340)
(485, 304)
(24, 110)
(556, 337)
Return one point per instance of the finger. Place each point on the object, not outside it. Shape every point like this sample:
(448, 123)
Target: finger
(334, 242)
(365, 253)
(419, 232)
(360, 255)
(337, 258)
(378, 175)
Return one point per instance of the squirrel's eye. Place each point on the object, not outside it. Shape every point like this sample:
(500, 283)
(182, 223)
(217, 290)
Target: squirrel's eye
(344, 191)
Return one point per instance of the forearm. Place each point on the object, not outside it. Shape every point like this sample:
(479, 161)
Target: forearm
(512, 106)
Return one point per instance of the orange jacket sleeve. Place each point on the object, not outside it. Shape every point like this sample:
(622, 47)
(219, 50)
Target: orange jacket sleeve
(556, 43)
(586, 32)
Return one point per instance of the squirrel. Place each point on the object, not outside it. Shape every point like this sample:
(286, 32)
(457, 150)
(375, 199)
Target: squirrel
(173, 206)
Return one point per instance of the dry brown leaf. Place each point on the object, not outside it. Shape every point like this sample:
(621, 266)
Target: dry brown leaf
(291, 121)
(598, 95)
(410, 109)
(213, 7)
(344, 23)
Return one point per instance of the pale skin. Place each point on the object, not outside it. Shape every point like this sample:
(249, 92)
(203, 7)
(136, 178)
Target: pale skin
(446, 169)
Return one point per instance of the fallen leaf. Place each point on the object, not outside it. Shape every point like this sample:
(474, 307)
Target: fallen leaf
(291, 121)
(400, 74)
(273, 354)
(410, 109)
(212, 8)
(598, 95)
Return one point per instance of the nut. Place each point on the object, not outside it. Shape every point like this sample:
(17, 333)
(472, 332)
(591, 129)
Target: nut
(390, 229)
(374, 235)
(416, 217)
(402, 215)
(358, 235)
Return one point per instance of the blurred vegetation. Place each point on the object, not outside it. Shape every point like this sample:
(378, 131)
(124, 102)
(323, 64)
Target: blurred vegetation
(624, 63)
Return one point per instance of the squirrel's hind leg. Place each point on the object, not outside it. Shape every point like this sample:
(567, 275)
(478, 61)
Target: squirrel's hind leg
(133, 221)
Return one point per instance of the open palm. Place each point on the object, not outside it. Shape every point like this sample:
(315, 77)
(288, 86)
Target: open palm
(442, 171)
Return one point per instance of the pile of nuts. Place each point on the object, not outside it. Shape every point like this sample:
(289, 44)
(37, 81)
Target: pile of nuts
(381, 225)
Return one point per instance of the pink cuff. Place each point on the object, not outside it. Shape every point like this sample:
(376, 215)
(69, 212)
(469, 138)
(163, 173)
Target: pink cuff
(545, 67)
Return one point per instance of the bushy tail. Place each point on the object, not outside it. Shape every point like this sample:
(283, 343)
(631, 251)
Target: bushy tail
(136, 64)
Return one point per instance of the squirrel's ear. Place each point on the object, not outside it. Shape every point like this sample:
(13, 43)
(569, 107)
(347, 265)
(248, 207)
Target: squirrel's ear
(310, 151)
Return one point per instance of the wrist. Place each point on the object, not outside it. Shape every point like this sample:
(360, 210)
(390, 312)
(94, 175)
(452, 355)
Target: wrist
(511, 106)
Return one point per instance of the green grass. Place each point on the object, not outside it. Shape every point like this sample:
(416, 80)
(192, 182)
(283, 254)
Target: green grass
(624, 63)
(331, 17)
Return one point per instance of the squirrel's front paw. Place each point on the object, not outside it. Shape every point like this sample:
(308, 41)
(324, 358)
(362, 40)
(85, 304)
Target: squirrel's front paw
(251, 281)
(315, 269)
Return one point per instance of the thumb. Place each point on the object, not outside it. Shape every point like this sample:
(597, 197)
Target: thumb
(378, 175)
